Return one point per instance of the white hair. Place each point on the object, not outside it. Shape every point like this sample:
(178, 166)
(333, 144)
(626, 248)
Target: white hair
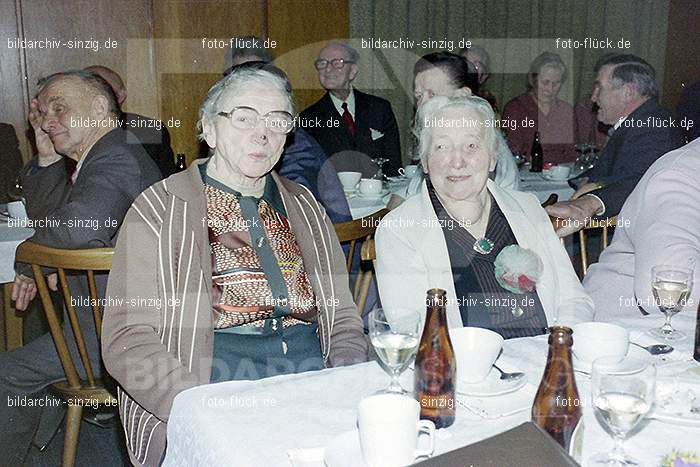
(239, 79)
(486, 122)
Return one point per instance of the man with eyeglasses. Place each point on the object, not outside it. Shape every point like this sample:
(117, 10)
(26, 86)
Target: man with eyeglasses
(355, 127)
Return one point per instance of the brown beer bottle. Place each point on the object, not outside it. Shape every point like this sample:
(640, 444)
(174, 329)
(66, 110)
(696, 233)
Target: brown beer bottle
(696, 353)
(436, 370)
(557, 407)
(536, 155)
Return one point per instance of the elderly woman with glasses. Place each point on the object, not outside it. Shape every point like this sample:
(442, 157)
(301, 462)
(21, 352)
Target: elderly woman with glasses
(491, 248)
(225, 271)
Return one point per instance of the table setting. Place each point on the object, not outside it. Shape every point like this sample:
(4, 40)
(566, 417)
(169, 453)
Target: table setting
(369, 195)
(316, 418)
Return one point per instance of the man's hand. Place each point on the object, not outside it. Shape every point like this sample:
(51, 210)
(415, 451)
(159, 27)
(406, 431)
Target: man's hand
(24, 289)
(573, 214)
(584, 189)
(47, 154)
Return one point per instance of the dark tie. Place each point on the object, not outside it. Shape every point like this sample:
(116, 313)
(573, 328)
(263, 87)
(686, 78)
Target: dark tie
(347, 118)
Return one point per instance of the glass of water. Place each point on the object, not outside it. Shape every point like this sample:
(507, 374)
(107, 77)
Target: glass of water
(671, 286)
(623, 394)
(395, 338)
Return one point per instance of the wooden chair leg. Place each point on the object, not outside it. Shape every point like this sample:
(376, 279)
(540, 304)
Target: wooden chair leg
(74, 415)
(13, 323)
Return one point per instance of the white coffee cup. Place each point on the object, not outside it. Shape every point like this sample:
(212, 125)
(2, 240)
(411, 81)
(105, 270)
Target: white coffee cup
(408, 171)
(476, 350)
(17, 210)
(389, 430)
(559, 172)
(349, 180)
(370, 186)
(594, 340)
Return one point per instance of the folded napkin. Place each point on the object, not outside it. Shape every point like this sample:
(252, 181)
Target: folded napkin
(306, 457)
(499, 406)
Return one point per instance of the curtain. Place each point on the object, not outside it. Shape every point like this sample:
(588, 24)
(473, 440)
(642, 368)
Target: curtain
(512, 31)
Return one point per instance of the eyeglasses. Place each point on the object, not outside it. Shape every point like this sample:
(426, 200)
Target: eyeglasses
(246, 118)
(337, 63)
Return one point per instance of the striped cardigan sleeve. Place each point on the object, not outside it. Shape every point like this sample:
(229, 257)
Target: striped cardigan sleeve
(133, 349)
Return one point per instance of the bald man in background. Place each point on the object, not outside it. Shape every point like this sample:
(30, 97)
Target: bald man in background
(151, 133)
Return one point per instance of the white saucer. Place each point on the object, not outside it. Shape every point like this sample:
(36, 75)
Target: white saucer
(491, 386)
(547, 176)
(397, 179)
(344, 451)
(351, 191)
(373, 195)
(586, 367)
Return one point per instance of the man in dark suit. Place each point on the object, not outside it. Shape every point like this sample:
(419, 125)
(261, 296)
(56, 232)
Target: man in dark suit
(626, 94)
(352, 127)
(75, 115)
(149, 132)
(10, 161)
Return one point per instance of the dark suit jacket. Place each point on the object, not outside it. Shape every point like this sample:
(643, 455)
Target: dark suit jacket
(630, 151)
(10, 160)
(154, 137)
(353, 153)
(88, 214)
(303, 161)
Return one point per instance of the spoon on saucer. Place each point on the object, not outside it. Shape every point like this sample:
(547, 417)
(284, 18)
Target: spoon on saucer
(656, 349)
(510, 376)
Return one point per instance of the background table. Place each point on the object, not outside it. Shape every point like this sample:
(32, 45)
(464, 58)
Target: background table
(533, 182)
(256, 422)
(10, 238)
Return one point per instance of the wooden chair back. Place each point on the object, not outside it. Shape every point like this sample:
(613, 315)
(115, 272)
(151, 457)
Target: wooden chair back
(360, 231)
(80, 392)
(607, 225)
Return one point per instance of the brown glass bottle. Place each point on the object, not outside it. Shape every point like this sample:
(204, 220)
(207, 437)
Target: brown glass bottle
(557, 407)
(536, 155)
(436, 369)
(696, 353)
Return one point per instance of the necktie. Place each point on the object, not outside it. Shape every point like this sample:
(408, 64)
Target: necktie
(347, 118)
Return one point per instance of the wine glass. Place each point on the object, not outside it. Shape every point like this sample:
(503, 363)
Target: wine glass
(671, 286)
(380, 161)
(623, 394)
(395, 340)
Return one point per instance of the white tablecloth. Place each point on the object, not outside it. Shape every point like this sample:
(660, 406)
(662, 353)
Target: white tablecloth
(533, 182)
(255, 422)
(10, 238)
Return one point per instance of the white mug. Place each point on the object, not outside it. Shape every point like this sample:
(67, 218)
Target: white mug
(593, 340)
(476, 350)
(370, 186)
(349, 180)
(17, 210)
(409, 171)
(559, 172)
(389, 430)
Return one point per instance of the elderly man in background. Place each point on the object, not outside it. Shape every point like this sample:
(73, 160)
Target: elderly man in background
(74, 115)
(658, 225)
(626, 93)
(363, 126)
(303, 160)
(149, 132)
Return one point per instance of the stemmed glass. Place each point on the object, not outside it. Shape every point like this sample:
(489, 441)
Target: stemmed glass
(623, 394)
(671, 286)
(395, 340)
(380, 161)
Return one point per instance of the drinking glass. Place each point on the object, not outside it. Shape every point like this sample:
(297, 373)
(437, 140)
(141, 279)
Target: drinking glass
(671, 286)
(380, 161)
(395, 340)
(623, 394)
